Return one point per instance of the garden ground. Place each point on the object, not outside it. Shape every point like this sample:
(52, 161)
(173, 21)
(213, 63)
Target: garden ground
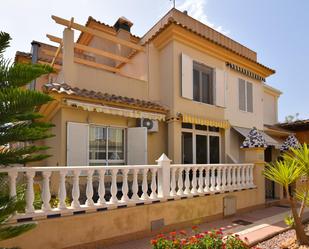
(256, 226)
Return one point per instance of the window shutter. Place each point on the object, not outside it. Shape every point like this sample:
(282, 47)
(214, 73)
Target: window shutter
(219, 87)
(186, 76)
(249, 97)
(242, 94)
(137, 146)
(77, 144)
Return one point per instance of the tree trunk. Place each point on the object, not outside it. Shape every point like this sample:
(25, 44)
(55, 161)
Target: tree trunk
(302, 238)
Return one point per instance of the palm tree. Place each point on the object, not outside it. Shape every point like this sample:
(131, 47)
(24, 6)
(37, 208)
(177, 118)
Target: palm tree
(19, 128)
(295, 164)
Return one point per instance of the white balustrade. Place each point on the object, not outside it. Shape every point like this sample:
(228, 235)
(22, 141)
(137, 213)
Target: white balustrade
(153, 194)
(62, 193)
(173, 182)
(30, 192)
(101, 188)
(46, 191)
(200, 189)
(194, 181)
(145, 186)
(180, 182)
(125, 187)
(89, 188)
(126, 184)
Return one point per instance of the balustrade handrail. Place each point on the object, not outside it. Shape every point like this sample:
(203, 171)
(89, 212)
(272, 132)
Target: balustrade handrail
(60, 168)
(210, 165)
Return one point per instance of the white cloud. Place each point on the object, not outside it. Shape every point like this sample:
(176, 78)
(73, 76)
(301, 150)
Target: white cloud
(196, 9)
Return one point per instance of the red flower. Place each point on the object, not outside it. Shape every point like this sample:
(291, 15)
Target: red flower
(153, 242)
(183, 241)
(194, 228)
(160, 236)
(183, 232)
(173, 234)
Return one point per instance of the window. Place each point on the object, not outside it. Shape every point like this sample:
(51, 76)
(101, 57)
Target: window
(200, 144)
(245, 95)
(106, 145)
(203, 83)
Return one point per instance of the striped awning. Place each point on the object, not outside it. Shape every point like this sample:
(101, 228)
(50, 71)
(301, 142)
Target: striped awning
(130, 113)
(245, 71)
(186, 118)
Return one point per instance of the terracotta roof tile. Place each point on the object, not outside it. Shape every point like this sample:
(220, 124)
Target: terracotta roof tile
(116, 99)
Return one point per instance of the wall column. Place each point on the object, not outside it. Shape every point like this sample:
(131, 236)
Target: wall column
(68, 67)
(174, 140)
(256, 156)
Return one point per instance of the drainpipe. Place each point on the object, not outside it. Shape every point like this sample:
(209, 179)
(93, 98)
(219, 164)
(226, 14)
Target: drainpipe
(34, 51)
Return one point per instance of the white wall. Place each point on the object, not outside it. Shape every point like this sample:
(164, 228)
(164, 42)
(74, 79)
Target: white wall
(270, 108)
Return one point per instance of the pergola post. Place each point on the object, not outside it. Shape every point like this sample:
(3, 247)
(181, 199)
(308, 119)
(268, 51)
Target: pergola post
(68, 68)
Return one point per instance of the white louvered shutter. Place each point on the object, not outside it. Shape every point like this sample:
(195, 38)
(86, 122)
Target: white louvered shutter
(249, 97)
(220, 87)
(137, 146)
(242, 94)
(77, 144)
(186, 76)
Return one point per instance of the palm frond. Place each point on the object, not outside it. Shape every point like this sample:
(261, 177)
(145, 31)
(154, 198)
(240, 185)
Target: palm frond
(283, 172)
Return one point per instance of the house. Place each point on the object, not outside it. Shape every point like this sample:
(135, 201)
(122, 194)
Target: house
(299, 127)
(121, 101)
(197, 92)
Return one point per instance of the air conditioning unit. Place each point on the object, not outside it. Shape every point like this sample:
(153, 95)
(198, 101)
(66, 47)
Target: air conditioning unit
(151, 125)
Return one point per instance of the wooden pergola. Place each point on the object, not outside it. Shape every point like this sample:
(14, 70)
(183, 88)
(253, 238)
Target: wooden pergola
(119, 60)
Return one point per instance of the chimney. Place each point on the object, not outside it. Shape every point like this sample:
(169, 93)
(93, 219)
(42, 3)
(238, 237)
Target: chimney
(34, 59)
(123, 27)
(123, 23)
(185, 12)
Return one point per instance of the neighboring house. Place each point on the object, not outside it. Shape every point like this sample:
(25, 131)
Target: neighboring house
(198, 93)
(300, 128)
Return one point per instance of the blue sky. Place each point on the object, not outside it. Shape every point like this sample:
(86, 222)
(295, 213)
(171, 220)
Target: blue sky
(277, 29)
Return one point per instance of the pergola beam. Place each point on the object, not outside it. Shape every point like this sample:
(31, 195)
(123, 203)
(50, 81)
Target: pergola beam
(92, 50)
(72, 24)
(96, 65)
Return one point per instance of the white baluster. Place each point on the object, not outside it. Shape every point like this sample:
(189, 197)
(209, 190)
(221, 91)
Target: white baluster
(101, 189)
(247, 176)
(125, 187)
(113, 199)
(135, 196)
(243, 176)
(239, 182)
(219, 172)
(234, 179)
(46, 191)
(229, 178)
(194, 181)
(251, 176)
(75, 190)
(187, 181)
(180, 182)
(212, 179)
(62, 193)
(206, 188)
(153, 194)
(145, 186)
(223, 178)
(89, 188)
(173, 182)
(30, 192)
(12, 176)
(200, 181)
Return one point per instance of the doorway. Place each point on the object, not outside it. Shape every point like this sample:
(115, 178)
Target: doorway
(269, 185)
